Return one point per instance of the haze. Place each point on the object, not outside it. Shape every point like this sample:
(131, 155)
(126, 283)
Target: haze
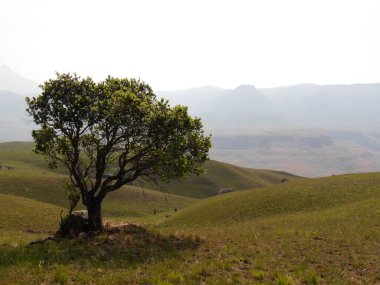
(225, 60)
(177, 44)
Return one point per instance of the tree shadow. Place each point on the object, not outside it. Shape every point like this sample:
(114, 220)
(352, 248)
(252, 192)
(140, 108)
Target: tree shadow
(127, 246)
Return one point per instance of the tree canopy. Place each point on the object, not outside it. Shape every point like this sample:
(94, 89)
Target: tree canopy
(118, 126)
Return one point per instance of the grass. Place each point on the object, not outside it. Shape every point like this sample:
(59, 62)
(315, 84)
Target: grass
(32, 179)
(298, 196)
(134, 203)
(100, 259)
(326, 232)
(300, 248)
(23, 219)
(223, 175)
(126, 203)
(332, 246)
(219, 175)
(304, 231)
(310, 231)
(20, 156)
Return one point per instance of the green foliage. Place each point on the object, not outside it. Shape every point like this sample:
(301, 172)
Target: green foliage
(116, 119)
(88, 126)
(72, 195)
(126, 204)
(218, 175)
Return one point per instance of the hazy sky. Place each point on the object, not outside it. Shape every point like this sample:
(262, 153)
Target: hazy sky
(179, 44)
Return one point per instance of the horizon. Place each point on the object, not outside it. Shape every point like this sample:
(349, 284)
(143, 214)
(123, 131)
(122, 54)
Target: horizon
(208, 85)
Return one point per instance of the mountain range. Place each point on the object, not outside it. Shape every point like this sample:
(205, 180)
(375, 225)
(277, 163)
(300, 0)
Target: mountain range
(348, 107)
(307, 129)
(12, 81)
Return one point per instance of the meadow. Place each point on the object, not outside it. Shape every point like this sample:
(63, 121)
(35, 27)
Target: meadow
(302, 231)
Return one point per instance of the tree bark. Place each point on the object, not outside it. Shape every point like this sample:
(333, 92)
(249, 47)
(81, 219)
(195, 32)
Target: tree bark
(94, 210)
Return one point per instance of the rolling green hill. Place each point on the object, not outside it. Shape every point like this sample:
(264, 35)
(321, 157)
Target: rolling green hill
(20, 155)
(31, 179)
(304, 231)
(307, 231)
(130, 201)
(219, 175)
(223, 175)
(23, 219)
(18, 213)
(310, 231)
(301, 196)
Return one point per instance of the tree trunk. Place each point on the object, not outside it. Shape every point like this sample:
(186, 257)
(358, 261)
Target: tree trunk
(95, 215)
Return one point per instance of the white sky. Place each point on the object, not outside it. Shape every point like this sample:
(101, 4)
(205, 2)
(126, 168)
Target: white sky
(180, 44)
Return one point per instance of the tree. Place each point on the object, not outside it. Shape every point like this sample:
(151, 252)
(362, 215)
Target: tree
(117, 126)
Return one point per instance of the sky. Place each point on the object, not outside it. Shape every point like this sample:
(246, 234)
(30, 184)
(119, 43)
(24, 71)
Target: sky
(181, 44)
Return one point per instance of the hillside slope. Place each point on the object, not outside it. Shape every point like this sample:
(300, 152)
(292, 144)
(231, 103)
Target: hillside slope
(23, 219)
(219, 175)
(304, 231)
(30, 178)
(19, 213)
(130, 202)
(311, 231)
(223, 175)
(302, 196)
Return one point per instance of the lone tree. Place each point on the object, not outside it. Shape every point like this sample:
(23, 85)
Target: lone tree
(118, 126)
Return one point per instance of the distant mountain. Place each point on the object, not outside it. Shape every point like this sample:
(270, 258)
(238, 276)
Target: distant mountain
(306, 152)
(354, 106)
(12, 81)
(301, 106)
(307, 129)
(12, 106)
(14, 122)
(192, 97)
(242, 107)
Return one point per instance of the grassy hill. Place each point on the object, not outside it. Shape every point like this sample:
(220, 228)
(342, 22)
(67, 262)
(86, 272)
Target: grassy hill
(223, 175)
(128, 202)
(27, 214)
(307, 231)
(20, 156)
(304, 231)
(219, 175)
(23, 219)
(31, 179)
(311, 231)
(301, 196)
(136, 204)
